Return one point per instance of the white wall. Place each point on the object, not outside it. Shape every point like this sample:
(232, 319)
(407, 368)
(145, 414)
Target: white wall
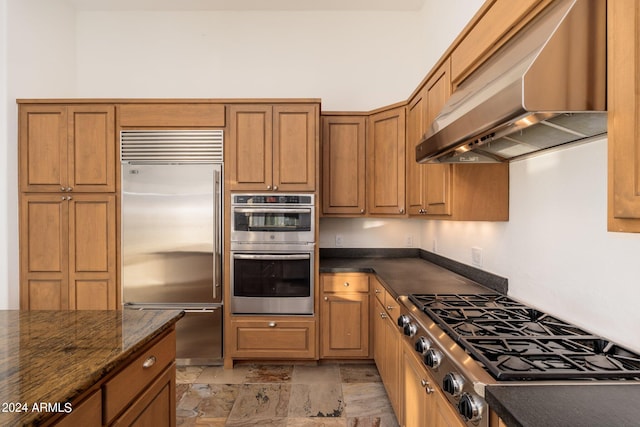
(38, 62)
(4, 161)
(353, 60)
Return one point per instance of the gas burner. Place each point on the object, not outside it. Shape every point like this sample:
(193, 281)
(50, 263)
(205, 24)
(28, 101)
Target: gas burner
(514, 363)
(535, 328)
(600, 361)
(468, 328)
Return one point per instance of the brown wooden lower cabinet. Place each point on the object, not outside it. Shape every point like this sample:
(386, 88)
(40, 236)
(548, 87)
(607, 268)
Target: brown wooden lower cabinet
(344, 311)
(142, 393)
(423, 404)
(386, 354)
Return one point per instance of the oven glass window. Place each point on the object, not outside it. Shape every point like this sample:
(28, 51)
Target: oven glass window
(272, 221)
(271, 278)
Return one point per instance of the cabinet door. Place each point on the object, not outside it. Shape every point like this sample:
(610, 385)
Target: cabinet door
(624, 115)
(295, 147)
(343, 165)
(92, 249)
(417, 407)
(92, 152)
(249, 159)
(416, 126)
(345, 325)
(43, 147)
(392, 361)
(438, 186)
(386, 162)
(44, 249)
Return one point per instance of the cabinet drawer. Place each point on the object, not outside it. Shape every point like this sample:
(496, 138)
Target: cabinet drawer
(275, 338)
(345, 283)
(88, 413)
(137, 376)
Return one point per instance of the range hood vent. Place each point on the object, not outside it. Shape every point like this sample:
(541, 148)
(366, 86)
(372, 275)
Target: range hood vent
(545, 88)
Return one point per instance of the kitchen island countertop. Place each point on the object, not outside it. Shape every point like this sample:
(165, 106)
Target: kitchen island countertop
(49, 358)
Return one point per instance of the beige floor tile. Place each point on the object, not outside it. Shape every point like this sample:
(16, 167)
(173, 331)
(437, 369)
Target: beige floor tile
(188, 374)
(359, 374)
(261, 401)
(316, 400)
(322, 374)
(316, 422)
(366, 400)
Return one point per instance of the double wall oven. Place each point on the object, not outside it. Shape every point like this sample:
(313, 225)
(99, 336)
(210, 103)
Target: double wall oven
(272, 253)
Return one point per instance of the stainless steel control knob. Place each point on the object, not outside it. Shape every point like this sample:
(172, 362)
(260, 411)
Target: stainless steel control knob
(471, 407)
(452, 383)
(403, 320)
(433, 358)
(422, 345)
(410, 330)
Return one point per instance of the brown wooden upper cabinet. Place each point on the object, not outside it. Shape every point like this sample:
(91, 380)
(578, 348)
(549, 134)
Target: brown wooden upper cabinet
(624, 115)
(67, 148)
(386, 162)
(273, 147)
(343, 165)
(499, 21)
(428, 185)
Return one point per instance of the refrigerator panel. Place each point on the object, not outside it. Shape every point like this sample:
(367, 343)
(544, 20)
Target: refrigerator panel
(170, 242)
(200, 340)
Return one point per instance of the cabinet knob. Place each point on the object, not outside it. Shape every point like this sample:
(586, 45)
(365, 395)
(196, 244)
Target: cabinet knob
(390, 307)
(63, 189)
(427, 386)
(69, 197)
(268, 187)
(361, 211)
(346, 284)
(383, 315)
(401, 210)
(326, 298)
(378, 291)
(69, 189)
(275, 188)
(151, 360)
(272, 324)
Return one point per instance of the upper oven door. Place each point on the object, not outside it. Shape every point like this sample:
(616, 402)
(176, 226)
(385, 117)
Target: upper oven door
(270, 224)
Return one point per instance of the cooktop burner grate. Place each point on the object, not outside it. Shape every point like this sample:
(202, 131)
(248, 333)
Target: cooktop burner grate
(516, 342)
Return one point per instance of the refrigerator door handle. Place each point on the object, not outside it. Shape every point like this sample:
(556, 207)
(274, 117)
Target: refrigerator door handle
(217, 250)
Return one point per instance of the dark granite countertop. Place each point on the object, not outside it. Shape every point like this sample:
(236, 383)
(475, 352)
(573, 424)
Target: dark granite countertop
(403, 276)
(590, 405)
(54, 356)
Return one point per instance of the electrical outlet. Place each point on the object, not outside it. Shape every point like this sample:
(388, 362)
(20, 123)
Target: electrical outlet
(339, 240)
(476, 257)
(408, 241)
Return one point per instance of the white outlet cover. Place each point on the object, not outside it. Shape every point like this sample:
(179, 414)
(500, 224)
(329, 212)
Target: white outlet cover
(476, 257)
(339, 240)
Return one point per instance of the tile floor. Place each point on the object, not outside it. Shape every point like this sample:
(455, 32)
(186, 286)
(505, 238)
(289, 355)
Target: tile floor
(345, 395)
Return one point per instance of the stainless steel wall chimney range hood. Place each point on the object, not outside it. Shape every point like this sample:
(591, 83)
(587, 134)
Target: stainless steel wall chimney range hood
(545, 88)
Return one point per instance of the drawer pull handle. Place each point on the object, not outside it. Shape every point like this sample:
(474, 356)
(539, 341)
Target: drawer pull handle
(151, 360)
(272, 324)
(378, 291)
(383, 315)
(390, 307)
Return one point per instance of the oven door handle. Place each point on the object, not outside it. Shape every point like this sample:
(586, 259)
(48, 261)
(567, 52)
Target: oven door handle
(272, 257)
(272, 210)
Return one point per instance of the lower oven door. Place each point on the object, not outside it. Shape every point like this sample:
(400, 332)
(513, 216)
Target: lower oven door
(272, 283)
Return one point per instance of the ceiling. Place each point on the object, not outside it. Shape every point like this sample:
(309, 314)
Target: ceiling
(301, 5)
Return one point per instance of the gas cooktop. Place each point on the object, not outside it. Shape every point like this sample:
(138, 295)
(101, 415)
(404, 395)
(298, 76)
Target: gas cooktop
(516, 342)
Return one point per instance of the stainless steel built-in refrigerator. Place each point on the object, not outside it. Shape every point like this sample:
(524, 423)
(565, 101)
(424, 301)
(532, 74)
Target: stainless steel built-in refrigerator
(171, 233)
